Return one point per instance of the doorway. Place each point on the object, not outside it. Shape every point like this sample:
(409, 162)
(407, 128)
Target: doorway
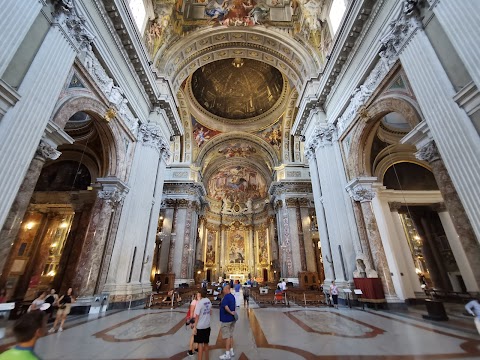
(434, 261)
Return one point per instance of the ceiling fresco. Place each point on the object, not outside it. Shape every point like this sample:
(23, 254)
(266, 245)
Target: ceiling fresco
(238, 88)
(201, 133)
(304, 20)
(237, 183)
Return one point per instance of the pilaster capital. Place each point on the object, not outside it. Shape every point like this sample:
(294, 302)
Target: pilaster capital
(323, 135)
(401, 29)
(112, 190)
(66, 15)
(151, 135)
(429, 152)
(45, 151)
(361, 189)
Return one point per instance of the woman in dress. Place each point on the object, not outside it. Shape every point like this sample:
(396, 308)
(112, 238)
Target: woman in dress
(334, 294)
(64, 306)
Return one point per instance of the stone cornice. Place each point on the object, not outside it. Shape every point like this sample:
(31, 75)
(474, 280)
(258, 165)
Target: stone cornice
(283, 187)
(130, 44)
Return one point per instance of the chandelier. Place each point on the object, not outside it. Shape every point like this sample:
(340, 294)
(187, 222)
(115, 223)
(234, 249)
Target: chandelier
(237, 62)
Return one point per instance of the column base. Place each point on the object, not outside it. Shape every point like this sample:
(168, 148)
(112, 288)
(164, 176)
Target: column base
(123, 296)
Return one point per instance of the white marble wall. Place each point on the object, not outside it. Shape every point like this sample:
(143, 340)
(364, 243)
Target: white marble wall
(137, 226)
(452, 129)
(23, 125)
(340, 221)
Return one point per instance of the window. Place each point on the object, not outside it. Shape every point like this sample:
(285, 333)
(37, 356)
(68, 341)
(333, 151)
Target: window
(336, 14)
(139, 13)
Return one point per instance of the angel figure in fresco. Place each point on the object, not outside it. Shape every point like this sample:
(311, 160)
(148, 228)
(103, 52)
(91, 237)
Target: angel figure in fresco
(201, 135)
(216, 11)
(274, 137)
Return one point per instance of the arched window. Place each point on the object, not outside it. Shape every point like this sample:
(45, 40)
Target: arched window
(139, 13)
(336, 14)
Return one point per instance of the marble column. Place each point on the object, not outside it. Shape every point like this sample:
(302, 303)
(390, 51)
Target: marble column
(22, 126)
(109, 197)
(18, 17)
(361, 190)
(461, 22)
(296, 242)
(466, 236)
(459, 253)
(14, 220)
(329, 271)
(134, 244)
(307, 236)
(167, 231)
(342, 231)
(451, 128)
(187, 212)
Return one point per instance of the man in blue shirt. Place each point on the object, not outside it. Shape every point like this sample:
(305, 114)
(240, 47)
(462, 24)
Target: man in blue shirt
(227, 319)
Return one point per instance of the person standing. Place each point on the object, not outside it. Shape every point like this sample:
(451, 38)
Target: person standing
(227, 319)
(191, 322)
(64, 306)
(246, 296)
(27, 330)
(334, 294)
(237, 288)
(473, 308)
(201, 328)
(284, 285)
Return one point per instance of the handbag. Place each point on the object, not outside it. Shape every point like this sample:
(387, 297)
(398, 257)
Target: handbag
(62, 307)
(235, 316)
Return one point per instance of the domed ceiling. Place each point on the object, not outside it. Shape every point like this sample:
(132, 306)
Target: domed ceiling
(237, 89)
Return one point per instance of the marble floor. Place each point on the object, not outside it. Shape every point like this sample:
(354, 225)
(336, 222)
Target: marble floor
(267, 333)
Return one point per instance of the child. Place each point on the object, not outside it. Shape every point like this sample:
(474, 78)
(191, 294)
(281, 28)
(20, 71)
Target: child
(27, 330)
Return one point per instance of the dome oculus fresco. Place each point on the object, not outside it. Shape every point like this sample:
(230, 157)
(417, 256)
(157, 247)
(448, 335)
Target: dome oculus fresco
(237, 89)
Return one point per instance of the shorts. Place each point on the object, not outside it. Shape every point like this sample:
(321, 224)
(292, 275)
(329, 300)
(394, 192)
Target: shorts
(227, 329)
(335, 299)
(203, 336)
(246, 298)
(65, 311)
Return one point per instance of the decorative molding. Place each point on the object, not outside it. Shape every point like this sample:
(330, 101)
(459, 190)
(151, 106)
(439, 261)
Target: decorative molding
(46, 152)
(150, 134)
(8, 97)
(428, 153)
(67, 17)
(360, 189)
(323, 135)
(393, 42)
(114, 94)
(112, 190)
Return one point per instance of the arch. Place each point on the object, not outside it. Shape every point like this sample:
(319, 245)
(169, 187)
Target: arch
(364, 131)
(207, 45)
(218, 140)
(113, 145)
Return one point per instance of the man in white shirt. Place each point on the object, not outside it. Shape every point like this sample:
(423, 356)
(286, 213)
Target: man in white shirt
(201, 329)
(473, 308)
(284, 285)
